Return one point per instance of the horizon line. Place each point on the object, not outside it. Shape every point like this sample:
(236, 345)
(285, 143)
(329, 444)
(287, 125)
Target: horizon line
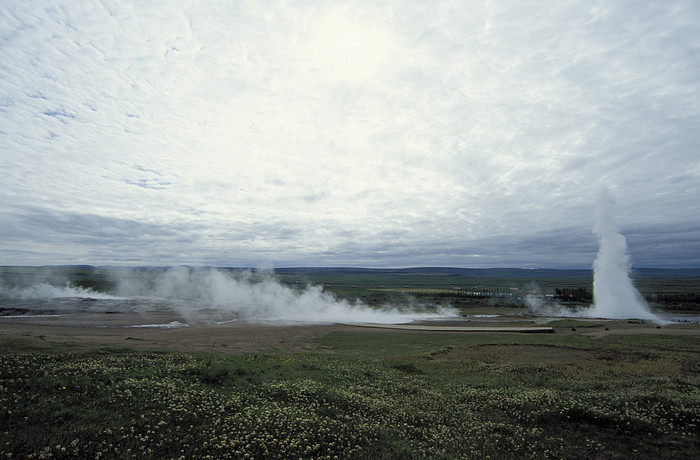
(337, 267)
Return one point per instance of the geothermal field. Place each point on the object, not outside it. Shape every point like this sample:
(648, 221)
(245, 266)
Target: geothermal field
(349, 230)
(353, 363)
(203, 362)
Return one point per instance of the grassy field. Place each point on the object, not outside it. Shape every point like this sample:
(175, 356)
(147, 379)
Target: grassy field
(362, 394)
(632, 391)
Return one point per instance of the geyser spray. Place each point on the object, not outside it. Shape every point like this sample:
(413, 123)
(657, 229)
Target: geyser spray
(614, 294)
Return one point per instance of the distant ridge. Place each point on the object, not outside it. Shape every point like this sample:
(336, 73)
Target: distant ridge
(515, 273)
(496, 272)
(448, 271)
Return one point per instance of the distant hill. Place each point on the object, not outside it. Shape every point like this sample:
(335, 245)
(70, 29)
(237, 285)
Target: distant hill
(513, 273)
(445, 271)
(548, 273)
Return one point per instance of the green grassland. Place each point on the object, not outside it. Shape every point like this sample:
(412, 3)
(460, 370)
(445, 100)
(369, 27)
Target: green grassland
(363, 394)
(366, 393)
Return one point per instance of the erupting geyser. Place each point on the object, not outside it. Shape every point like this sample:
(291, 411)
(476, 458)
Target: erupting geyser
(614, 294)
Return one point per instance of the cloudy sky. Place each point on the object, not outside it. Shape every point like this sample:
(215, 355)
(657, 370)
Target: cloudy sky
(321, 133)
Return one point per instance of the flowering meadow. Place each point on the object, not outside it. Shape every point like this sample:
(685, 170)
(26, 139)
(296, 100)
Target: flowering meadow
(364, 396)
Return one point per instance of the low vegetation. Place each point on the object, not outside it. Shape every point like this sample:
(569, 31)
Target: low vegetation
(363, 395)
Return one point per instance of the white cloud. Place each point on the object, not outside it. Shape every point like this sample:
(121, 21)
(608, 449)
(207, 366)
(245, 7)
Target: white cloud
(397, 133)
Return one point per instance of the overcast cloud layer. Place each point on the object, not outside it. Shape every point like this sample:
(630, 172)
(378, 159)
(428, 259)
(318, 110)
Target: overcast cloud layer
(347, 133)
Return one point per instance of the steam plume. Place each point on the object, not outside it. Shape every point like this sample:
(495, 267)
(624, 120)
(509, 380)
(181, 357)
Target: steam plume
(261, 296)
(200, 295)
(614, 294)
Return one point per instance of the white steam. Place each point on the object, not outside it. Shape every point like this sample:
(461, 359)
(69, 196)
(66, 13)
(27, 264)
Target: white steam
(47, 291)
(198, 296)
(538, 305)
(254, 296)
(544, 305)
(614, 294)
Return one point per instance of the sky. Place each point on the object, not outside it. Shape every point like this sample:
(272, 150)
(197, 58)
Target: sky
(347, 133)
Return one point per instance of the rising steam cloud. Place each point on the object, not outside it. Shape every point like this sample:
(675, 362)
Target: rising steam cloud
(614, 294)
(203, 296)
(256, 296)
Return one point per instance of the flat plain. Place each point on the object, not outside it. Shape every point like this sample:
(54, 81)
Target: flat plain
(590, 389)
(92, 386)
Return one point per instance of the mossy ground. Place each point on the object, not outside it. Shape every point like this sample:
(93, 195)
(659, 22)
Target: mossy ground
(363, 395)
